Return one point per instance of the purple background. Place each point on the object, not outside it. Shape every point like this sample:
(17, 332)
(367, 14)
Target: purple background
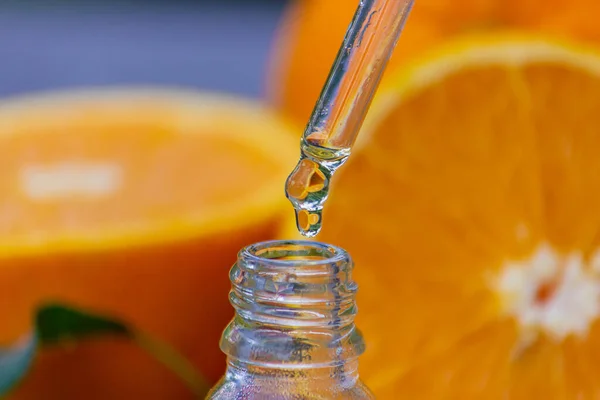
(217, 45)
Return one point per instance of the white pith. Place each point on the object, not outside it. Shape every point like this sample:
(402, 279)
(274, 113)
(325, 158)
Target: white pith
(68, 179)
(570, 307)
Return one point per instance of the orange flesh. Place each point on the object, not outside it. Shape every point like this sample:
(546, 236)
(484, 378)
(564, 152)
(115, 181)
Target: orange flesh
(155, 171)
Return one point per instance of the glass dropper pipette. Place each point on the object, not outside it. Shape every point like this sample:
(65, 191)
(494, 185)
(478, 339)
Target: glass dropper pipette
(342, 106)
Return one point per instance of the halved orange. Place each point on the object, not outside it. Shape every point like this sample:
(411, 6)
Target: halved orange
(470, 206)
(133, 202)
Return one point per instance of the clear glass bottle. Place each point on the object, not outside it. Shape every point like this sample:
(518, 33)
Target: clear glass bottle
(293, 334)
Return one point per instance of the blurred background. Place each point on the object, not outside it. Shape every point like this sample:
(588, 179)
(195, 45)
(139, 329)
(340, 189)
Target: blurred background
(220, 45)
(143, 143)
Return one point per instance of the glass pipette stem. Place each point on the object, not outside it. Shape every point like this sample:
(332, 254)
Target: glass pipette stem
(356, 73)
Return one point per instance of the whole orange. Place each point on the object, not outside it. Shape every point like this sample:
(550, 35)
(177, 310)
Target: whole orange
(132, 203)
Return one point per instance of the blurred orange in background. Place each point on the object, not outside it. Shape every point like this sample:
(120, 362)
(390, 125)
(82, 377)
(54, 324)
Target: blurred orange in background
(311, 32)
(133, 202)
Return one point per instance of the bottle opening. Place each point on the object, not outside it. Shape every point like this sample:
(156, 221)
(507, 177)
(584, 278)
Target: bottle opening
(294, 283)
(294, 253)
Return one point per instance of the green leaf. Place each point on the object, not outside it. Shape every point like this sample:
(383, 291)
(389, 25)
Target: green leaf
(58, 324)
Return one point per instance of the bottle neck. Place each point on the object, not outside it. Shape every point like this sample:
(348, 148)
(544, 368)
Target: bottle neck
(295, 308)
(342, 375)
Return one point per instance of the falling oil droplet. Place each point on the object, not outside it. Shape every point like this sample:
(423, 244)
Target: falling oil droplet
(307, 187)
(308, 223)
